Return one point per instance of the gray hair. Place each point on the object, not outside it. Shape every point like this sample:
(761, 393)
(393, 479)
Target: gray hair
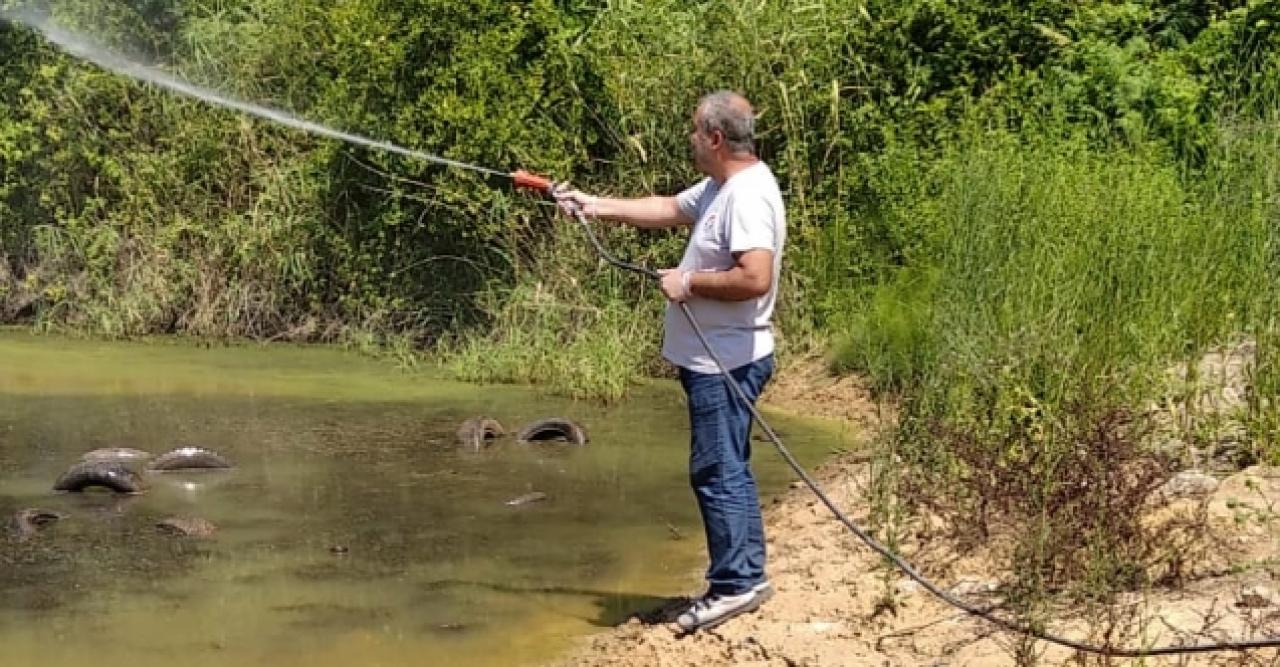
(730, 114)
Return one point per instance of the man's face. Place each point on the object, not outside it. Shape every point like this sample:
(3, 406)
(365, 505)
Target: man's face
(703, 145)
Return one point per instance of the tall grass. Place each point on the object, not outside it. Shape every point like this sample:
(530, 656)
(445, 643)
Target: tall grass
(1264, 413)
(1063, 279)
(558, 341)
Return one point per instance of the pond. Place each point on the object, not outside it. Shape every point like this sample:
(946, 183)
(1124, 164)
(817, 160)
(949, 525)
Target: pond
(353, 530)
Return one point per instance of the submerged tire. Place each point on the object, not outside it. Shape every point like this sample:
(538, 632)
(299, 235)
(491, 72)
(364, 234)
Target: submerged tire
(116, 455)
(475, 432)
(187, 526)
(552, 429)
(27, 522)
(107, 474)
(531, 497)
(189, 458)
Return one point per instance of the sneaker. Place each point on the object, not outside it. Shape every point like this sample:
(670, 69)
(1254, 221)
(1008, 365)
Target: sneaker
(713, 609)
(763, 588)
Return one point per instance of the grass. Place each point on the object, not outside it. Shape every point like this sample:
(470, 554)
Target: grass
(1053, 284)
(539, 337)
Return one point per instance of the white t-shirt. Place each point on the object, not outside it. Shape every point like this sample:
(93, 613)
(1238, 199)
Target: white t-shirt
(745, 213)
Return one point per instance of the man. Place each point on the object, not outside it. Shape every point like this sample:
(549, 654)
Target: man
(729, 279)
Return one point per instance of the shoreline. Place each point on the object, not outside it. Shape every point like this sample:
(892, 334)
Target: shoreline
(838, 605)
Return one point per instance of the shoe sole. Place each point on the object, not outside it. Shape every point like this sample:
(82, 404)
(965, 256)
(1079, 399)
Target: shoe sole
(762, 596)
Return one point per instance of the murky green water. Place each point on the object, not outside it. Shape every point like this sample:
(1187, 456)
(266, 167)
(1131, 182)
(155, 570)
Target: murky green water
(332, 451)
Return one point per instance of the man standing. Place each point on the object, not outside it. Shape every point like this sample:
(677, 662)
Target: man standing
(729, 279)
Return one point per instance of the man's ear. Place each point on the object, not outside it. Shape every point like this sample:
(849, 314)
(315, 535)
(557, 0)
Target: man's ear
(717, 139)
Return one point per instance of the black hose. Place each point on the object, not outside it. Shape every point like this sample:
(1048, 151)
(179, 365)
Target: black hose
(870, 541)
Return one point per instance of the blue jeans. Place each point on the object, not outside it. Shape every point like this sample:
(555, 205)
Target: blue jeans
(720, 473)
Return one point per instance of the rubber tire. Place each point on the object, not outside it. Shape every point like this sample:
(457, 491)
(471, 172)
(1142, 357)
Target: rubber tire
(27, 522)
(189, 458)
(475, 432)
(112, 475)
(116, 455)
(553, 428)
(186, 527)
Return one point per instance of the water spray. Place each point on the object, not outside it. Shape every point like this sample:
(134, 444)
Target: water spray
(85, 49)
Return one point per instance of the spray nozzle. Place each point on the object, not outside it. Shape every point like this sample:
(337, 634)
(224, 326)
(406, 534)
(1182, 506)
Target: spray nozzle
(526, 180)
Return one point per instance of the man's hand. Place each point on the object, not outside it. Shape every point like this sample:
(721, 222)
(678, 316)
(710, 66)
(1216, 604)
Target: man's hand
(572, 201)
(675, 284)
(645, 212)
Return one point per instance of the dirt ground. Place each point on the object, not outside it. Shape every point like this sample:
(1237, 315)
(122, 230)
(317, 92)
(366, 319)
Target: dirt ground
(832, 605)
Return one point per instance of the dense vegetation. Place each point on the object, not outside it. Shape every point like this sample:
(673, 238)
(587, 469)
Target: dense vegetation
(1012, 217)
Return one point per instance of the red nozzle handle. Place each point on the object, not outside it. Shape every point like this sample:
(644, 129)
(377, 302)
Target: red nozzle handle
(529, 181)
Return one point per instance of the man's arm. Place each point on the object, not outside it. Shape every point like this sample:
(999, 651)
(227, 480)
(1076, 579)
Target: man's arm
(645, 212)
(750, 278)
